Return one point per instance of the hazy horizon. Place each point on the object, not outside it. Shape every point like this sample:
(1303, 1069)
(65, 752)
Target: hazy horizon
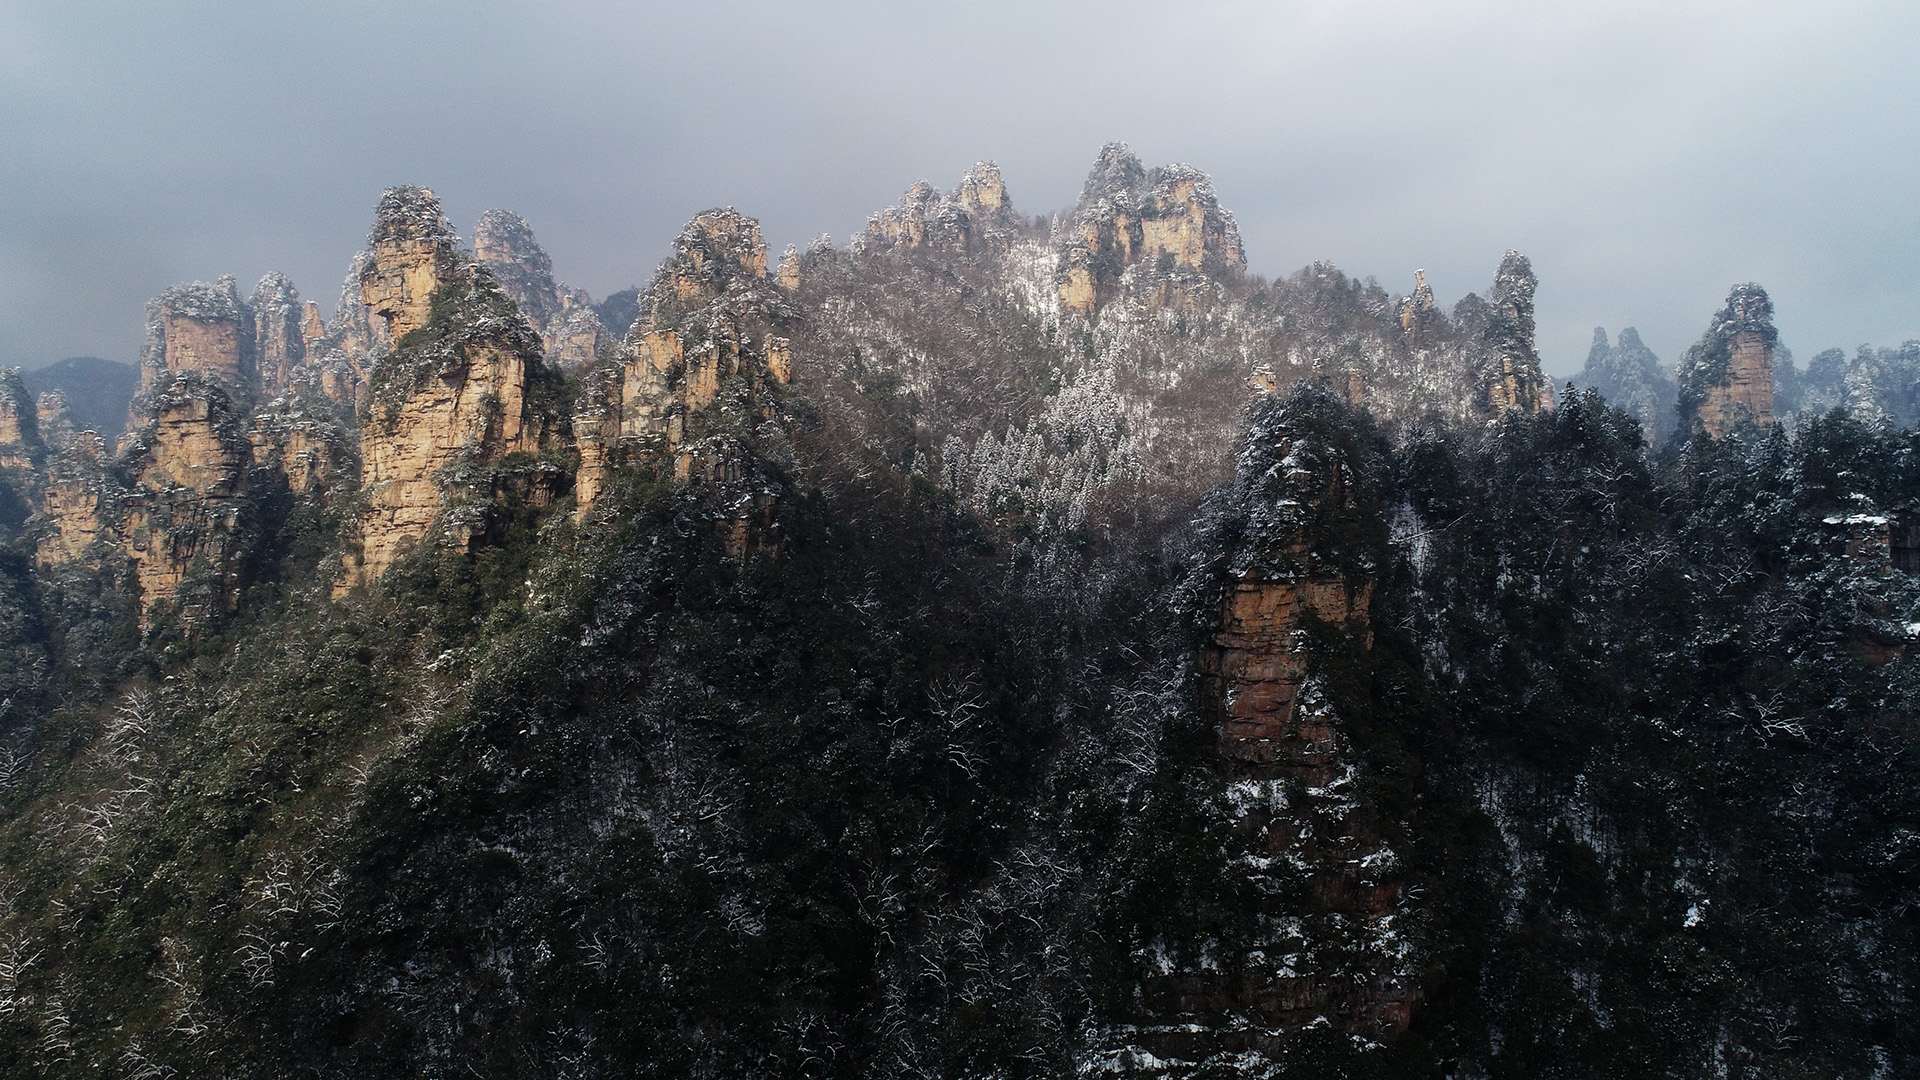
(1645, 157)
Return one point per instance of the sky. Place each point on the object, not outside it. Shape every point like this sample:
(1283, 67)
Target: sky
(1645, 156)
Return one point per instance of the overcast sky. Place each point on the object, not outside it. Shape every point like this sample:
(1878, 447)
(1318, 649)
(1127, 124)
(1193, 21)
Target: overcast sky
(1645, 155)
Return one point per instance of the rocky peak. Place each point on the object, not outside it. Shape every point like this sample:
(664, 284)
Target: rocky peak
(1167, 221)
(788, 275)
(1285, 601)
(181, 521)
(199, 327)
(976, 214)
(1510, 374)
(1418, 307)
(313, 329)
(695, 373)
(504, 242)
(55, 419)
(1116, 171)
(280, 341)
(982, 191)
(411, 251)
(1630, 376)
(1726, 378)
(718, 249)
(20, 444)
(457, 396)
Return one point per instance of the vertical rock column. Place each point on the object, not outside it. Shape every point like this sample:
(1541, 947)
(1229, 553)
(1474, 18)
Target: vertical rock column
(1319, 946)
(1726, 378)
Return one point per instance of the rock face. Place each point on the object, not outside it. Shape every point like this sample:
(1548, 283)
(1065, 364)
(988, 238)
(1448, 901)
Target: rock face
(504, 243)
(301, 443)
(1726, 378)
(55, 419)
(71, 501)
(183, 513)
(279, 337)
(696, 373)
(20, 442)
(1511, 376)
(1294, 609)
(1167, 220)
(351, 332)
(571, 331)
(977, 216)
(411, 251)
(576, 337)
(199, 328)
(450, 404)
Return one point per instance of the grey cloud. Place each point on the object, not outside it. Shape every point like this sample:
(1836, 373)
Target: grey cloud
(1644, 155)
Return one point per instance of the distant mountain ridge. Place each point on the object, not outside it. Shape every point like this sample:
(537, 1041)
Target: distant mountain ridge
(97, 390)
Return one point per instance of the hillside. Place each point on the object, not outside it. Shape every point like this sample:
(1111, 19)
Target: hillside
(1005, 645)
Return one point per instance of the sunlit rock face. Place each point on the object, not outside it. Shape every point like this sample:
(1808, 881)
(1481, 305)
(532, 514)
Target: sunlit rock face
(183, 511)
(71, 501)
(1726, 379)
(446, 409)
(1167, 222)
(698, 372)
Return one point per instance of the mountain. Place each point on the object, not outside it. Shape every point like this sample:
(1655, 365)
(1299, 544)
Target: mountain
(96, 390)
(1005, 645)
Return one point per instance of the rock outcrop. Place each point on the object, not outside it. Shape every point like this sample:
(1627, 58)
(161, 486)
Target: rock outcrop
(1726, 378)
(1418, 309)
(1499, 333)
(72, 501)
(1167, 220)
(411, 252)
(181, 517)
(1292, 613)
(350, 334)
(300, 438)
(1631, 377)
(55, 419)
(504, 243)
(576, 337)
(976, 216)
(463, 391)
(279, 334)
(199, 328)
(696, 373)
(20, 443)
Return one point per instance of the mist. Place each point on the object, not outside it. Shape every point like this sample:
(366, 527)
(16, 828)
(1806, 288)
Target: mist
(1645, 156)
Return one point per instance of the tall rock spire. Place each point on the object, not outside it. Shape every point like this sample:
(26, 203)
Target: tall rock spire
(1511, 377)
(1726, 378)
(411, 252)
